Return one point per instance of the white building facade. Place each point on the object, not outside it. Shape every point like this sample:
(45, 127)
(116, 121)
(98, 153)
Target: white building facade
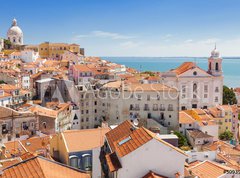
(29, 56)
(198, 88)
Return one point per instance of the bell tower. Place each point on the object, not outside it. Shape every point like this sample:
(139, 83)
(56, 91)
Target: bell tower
(215, 63)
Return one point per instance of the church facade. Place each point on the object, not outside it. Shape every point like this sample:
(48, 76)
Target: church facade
(197, 88)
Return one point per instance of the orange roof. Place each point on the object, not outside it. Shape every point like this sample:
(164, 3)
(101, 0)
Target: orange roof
(136, 138)
(152, 174)
(184, 118)
(153, 78)
(5, 94)
(8, 87)
(208, 169)
(184, 67)
(126, 138)
(39, 167)
(113, 162)
(33, 145)
(82, 68)
(9, 162)
(88, 139)
(121, 130)
(16, 53)
(14, 148)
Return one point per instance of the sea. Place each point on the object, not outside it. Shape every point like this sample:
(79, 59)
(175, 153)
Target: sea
(231, 65)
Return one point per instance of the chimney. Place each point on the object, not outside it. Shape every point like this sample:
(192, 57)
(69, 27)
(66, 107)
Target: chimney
(177, 175)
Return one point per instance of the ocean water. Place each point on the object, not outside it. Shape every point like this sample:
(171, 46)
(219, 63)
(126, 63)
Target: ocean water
(231, 66)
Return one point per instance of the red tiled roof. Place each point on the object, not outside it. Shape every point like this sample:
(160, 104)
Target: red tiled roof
(208, 169)
(39, 167)
(184, 67)
(113, 162)
(152, 174)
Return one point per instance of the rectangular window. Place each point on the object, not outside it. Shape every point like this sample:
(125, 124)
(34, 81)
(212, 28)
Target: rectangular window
(205, 88)
(184, 89)
(148, 97)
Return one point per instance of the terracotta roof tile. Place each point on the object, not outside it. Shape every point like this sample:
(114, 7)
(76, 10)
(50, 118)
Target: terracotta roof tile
(88, 139)
(113, 162)
(184, 118)
(152, 174)
(184, 67)
(208, 169)
(126, 138)
(38, 167)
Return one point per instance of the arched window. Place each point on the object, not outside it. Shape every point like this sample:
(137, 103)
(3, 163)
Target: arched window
(14, 39)
(217, 67)
(210, 66)
(86, 162)
(194, 88)
(19, 40)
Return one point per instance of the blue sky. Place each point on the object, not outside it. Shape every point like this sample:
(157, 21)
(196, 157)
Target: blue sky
(130, 27)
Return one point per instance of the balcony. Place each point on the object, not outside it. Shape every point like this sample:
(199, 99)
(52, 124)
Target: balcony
(162, 109)
(137, 109)
(155, 109)
(146, 109)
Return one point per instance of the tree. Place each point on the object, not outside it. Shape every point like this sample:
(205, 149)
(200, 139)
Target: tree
(229, 96)
(7, 44)
(227, 135)
(182, 140)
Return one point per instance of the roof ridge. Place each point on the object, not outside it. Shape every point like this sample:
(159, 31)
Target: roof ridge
(164, 142)
(60, 164)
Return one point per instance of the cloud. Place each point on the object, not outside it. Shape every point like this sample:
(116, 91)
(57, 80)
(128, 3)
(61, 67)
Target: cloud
(167, 37)
(188, 41)
(104, 34)
(210, 41)
(111, 35)
(130, 44)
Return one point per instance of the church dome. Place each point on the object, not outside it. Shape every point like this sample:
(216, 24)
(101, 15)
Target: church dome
(15, 33)
(14, 29)
(215, 53)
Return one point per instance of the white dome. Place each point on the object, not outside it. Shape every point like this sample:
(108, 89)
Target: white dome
(15, 30)
(15, 34)
(215, 53)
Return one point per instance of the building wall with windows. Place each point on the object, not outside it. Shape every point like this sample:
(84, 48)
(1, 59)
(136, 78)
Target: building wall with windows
(198, 88)
(55, 50)
(141, 101)
(16, 125)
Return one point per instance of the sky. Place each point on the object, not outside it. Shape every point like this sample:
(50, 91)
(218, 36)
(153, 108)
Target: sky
(130, 27)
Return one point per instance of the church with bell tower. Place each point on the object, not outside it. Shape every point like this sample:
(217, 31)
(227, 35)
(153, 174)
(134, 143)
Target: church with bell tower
(198, 88)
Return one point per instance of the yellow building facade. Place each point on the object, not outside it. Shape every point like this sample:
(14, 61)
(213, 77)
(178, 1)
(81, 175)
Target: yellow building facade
(55, 50)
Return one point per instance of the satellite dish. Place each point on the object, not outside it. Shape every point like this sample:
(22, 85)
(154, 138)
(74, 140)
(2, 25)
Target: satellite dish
(135, 122)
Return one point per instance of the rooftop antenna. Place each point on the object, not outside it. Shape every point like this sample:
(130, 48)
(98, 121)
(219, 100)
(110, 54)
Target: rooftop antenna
(135, 122)
(215, 46)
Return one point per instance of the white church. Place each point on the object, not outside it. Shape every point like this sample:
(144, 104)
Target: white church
(14, 34)
(197, 88)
